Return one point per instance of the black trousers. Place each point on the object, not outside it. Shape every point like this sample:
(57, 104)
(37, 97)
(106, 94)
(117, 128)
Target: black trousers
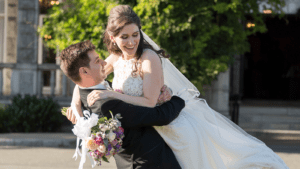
(160, 157)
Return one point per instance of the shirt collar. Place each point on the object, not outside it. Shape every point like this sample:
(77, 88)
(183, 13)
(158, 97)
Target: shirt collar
(98, 86)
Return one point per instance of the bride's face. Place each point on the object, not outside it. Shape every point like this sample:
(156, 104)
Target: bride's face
(128, 40)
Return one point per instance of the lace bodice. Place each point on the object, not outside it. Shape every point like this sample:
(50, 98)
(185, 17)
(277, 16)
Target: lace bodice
(123, 80)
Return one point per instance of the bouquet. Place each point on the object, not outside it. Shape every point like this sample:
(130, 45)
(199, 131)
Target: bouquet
(105, 139)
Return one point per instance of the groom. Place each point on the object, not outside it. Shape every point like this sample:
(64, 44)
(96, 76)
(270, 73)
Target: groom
(143, 147)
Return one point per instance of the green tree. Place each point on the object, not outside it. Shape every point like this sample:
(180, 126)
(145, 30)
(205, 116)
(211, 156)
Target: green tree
(201, 36)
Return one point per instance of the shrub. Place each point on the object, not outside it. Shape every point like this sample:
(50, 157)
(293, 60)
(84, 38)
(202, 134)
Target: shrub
(31, 114)
(3, 119)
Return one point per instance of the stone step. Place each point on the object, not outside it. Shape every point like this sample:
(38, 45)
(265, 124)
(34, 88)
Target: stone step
(282, 111)
(271, 126)
(277, 137)
(269, 117)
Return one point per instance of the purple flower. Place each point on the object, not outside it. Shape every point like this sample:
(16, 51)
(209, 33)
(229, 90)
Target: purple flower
(118, 133)
(109, 147)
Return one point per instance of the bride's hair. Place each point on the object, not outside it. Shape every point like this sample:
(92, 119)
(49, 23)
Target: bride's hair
(119, 17)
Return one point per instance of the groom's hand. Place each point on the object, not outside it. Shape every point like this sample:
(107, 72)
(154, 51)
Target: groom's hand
(70, 116)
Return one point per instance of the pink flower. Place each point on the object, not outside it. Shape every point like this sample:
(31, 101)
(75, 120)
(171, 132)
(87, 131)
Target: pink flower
(99, 140)
(115, 142)
(118, 90)
(90, 144)
(120, 128)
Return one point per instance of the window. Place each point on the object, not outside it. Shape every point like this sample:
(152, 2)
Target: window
(45, 55)
(2, 21)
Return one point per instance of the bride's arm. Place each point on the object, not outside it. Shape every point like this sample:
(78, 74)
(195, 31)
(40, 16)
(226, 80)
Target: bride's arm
(110, 60)
(152, 83)
(76, 100)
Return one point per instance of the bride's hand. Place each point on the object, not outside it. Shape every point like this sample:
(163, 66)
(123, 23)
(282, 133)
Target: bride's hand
(97, 95)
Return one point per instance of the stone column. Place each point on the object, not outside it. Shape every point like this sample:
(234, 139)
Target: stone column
(11, 43)
(24, 77)
(59, 75)
(217, 94)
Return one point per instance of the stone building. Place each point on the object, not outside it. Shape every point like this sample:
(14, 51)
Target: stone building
(25, 69)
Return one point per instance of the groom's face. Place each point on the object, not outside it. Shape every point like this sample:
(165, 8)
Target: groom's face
(96, 69)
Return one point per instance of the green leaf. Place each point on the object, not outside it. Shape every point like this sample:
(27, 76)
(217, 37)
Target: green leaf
(105, 159)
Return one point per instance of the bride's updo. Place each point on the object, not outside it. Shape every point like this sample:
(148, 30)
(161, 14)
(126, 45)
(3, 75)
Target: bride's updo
(119, 17)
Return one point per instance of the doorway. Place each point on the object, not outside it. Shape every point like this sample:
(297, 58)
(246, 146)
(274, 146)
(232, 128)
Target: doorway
(272, 67)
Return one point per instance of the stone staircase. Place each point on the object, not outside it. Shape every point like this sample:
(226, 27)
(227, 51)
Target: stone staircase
(269, 115)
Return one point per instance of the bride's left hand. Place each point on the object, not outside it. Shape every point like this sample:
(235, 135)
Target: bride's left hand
(97, 95)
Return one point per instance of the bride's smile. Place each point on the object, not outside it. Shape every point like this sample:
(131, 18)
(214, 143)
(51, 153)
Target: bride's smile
(128, 40)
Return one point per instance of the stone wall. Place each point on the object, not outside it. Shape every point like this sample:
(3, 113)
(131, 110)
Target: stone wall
(11, 43)
(27, 48)
(217, 95)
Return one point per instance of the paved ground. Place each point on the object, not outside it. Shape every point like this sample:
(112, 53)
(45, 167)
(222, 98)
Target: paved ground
(291, 159)
(14, 157)
(55, 150)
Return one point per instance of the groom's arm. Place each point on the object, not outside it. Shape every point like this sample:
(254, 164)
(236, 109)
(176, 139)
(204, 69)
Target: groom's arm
(137, 116)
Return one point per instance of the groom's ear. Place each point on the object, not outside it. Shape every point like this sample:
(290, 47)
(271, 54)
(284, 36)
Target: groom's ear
(82, 71)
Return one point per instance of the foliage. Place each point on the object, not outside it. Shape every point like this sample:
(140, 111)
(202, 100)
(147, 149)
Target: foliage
(3, 119)
(201, 36)
(31, 114)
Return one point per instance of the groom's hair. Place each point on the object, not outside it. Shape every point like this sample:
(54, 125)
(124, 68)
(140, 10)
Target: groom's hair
(74, 57)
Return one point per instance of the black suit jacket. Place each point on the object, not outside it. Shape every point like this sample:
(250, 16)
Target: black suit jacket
(143, 147)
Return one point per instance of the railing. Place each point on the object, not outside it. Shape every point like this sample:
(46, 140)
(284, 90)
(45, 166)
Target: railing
(62, 93)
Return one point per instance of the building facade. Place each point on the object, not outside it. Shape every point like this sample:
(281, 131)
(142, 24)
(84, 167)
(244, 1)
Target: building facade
(24, 67)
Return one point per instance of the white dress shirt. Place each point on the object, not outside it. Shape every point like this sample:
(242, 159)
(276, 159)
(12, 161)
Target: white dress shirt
(103, 85)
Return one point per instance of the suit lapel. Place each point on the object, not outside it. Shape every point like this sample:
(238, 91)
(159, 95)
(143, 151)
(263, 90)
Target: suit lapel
(96, 107)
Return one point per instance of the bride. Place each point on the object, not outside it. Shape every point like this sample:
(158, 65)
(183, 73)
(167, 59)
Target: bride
(200, 137)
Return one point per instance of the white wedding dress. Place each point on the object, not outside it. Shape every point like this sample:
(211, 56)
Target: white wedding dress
(200, 137)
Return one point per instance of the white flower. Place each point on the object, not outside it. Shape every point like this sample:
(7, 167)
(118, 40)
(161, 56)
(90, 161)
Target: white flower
(102, 148)
(104, 128)
(115, 123)
(98, 134)
(111, 136)
(101, 125)
(103, 135)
